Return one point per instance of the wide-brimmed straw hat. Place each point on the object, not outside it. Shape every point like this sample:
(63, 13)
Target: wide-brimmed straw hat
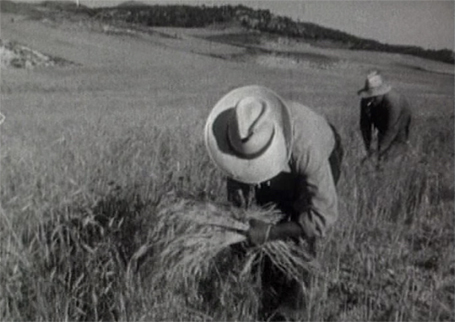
(374, 86)
(248, 134)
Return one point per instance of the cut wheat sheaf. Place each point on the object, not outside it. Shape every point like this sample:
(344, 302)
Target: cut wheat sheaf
(193, 236)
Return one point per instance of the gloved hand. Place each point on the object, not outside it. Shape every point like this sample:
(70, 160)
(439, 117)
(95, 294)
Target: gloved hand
(259, 232)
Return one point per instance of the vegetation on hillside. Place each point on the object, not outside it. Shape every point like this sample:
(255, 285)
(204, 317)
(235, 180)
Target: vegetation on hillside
(252, 19)
(260, 20)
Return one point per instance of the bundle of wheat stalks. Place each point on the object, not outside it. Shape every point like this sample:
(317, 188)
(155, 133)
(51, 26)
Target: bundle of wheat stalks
(192, 235)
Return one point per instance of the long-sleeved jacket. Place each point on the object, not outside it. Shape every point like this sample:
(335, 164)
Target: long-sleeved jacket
(391, 118)
(306, 191)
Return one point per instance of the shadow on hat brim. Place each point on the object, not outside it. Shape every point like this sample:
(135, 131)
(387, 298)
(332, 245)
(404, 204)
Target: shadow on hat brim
(381, 90)
(247, 170)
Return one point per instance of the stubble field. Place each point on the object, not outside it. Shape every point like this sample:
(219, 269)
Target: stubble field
(91, 152)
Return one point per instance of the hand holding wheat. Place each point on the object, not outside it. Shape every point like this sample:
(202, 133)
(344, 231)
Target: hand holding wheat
(259, 232)
(193, 236)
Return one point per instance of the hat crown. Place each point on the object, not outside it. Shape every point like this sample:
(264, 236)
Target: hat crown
(374, 80)
(259, 146)
(249, 112)
(250, 129)
(374, 86)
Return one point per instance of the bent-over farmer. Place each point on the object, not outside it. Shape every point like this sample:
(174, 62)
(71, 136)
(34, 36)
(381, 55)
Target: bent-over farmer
(285, 154)
(387, 112)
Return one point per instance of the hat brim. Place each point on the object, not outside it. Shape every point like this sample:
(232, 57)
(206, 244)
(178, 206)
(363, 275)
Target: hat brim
(381, 90)
(249, 170)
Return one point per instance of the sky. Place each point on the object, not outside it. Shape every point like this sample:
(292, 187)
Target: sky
(425, 23)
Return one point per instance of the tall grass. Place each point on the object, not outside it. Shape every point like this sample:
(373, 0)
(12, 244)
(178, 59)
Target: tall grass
(82, 188)
(78, 216)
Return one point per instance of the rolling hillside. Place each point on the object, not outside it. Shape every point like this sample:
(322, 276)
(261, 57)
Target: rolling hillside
(263, 21)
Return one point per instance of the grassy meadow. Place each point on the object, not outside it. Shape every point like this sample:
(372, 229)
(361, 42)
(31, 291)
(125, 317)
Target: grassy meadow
(91, 154)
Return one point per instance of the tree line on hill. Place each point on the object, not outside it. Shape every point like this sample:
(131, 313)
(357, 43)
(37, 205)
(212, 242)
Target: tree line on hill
(255, 19)
(252, 19)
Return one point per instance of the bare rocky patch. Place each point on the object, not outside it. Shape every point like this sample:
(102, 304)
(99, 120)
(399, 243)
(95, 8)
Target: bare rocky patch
(15, 55)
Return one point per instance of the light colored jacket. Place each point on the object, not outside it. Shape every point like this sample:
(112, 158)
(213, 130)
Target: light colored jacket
(306, 191)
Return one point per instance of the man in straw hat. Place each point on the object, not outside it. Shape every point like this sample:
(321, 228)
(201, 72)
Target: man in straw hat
(386, 111)
(285, 155)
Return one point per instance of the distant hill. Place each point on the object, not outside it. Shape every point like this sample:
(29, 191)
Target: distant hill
(251, 19)
(260, 20)
(16, 7)
(38, 10)
(129, 4)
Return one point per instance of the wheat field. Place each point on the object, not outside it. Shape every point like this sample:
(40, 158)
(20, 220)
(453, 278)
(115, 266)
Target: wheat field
(93, 154)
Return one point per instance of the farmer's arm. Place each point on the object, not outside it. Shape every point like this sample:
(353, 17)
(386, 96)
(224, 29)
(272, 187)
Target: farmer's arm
(365, 124)
(316, 204)
(285, 230)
